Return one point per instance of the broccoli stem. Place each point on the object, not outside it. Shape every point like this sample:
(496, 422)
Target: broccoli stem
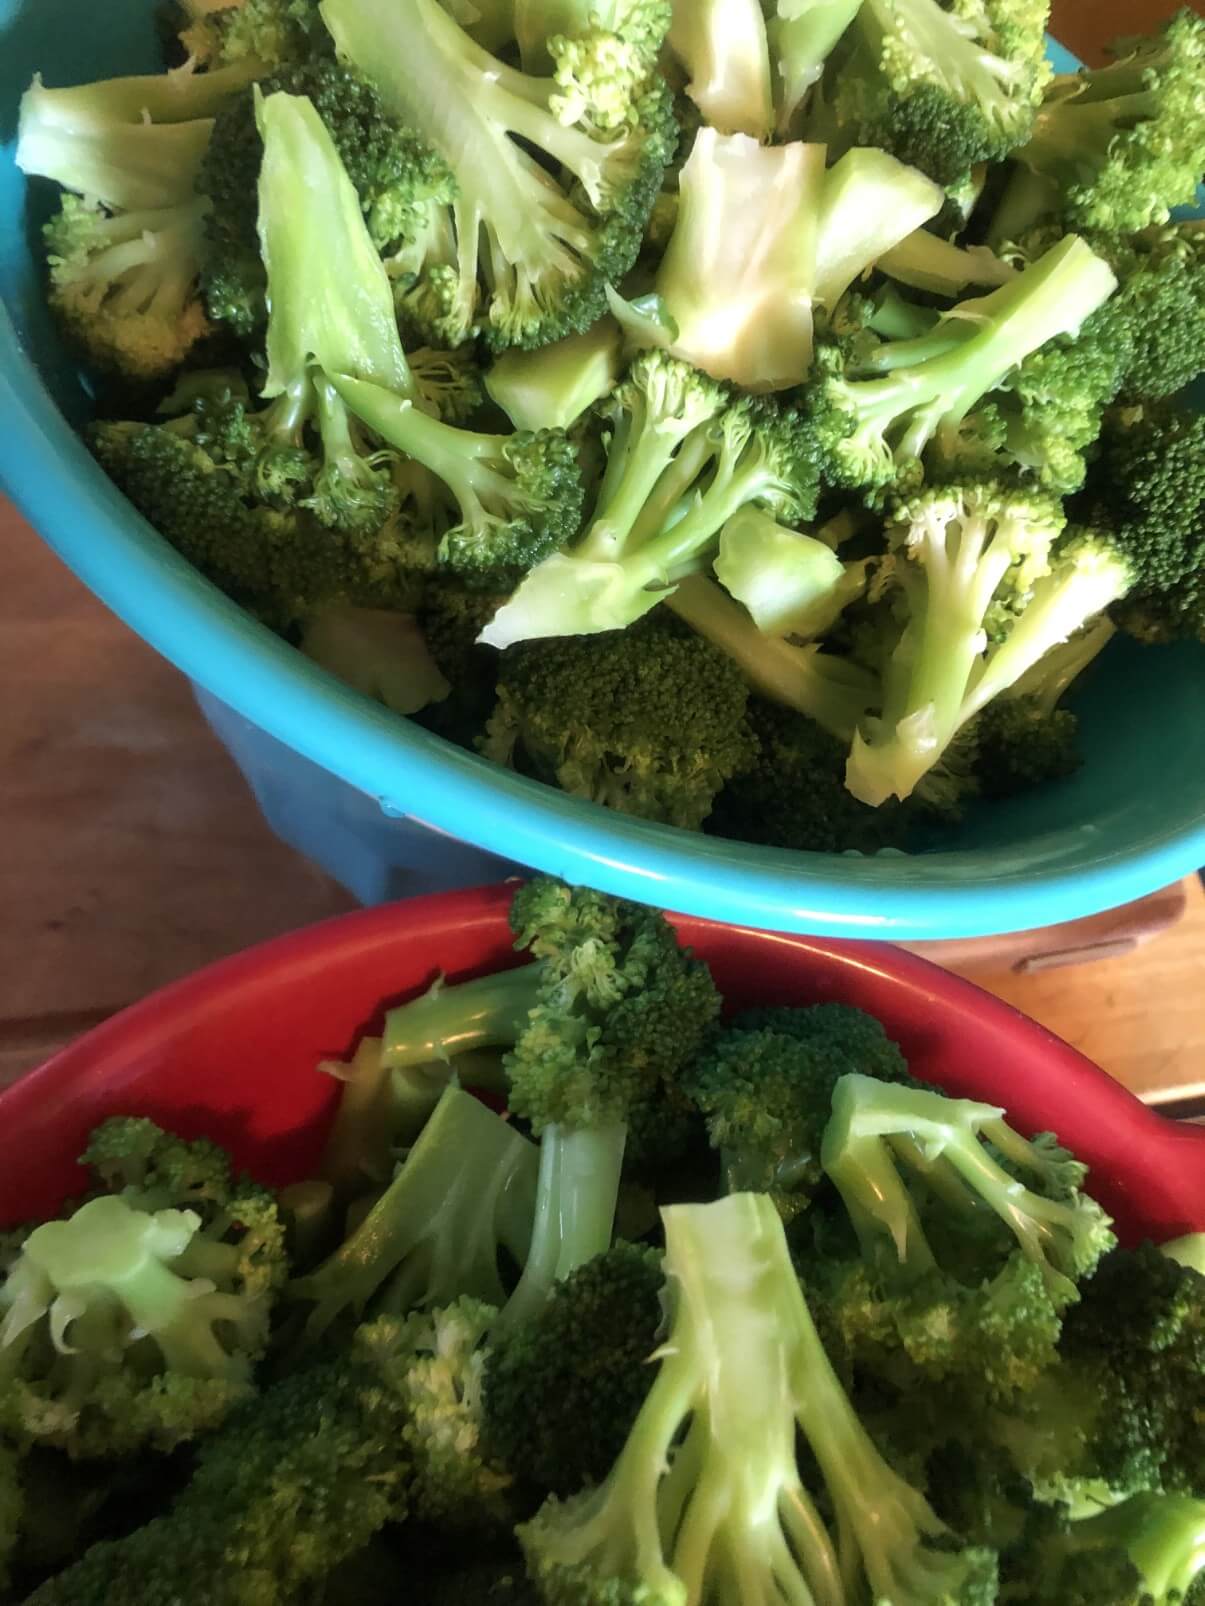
(552, 387)
(1163, 1535)
(924, 261)
(1028, 197)
(1051, 297)
(487, 1012)
(1049, 679)
(575, 1210)
(467, 1188)
(829, 690)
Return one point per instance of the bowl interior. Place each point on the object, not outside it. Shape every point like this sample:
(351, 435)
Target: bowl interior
(1130, 821)
(230, 1052)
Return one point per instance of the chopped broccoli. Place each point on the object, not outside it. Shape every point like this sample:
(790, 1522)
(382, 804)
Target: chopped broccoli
(1147, 491)
(519, 254)
(1119, 146)
(940, 88)
(380, 653)
(126, 1327)
(792, 583)
(722, 45)
(562, 1388)
(832, 691)
(990, 583)
(125, 248)
(1019, 745)
(765, 240)
(794, 795)
(463, 1196)
(266, 34)
(513, 499)
(766, 1084)
(649, 721)
(706, 1499)
(1188, 1250)
(1157, 317)
(1147, 1551)
(683, 457)
(551, 388)
(874, 430)
(939, 1279)
(925, 261)
(1122, 1411)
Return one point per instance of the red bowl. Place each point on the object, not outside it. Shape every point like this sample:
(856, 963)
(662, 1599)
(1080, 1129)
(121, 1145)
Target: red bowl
(230, 1052)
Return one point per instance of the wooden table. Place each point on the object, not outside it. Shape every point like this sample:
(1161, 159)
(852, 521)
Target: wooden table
(131, 853)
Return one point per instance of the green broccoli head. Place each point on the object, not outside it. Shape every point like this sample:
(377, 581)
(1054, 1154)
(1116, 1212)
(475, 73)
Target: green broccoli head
(942, 89)
(1157, 317)
(125, 1328)
(270, 34)
(765, 1084)
(1147, 492)
(1020, 745)
(1125, 143)
(649, 721)
(562, 1389)
(520, 254)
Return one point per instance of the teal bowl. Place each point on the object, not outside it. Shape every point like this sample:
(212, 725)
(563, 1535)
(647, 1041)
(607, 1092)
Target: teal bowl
(388, 808)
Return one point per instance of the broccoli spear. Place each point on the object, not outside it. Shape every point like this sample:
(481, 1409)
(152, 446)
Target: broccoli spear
(706, 1500)
(521, 254)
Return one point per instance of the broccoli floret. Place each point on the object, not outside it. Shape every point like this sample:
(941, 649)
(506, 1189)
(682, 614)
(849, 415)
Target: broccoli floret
(990, 583)
(269, 34)
(684, 455)
(1147, 1551)
(940, 88)
(562, 1388)
(938, 1278)
(832, 691)
(874, 430)
(125, 1327)
(1120, 146)
(725, 52)
(521, 254)
(1019, 746)
(794, 795)
(512, 499)
(598, 1029)
(766, 1084)
(765, 237)
(395, 174)
(706, 1499)
(1147, 490)
(124, 249)
(463, 1196)
(1157, 317)
(1122, 1411)
(434, 1363)
(280, 1497)
(649, 721)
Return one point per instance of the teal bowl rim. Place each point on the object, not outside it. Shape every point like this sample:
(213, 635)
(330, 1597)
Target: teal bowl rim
(120, 557)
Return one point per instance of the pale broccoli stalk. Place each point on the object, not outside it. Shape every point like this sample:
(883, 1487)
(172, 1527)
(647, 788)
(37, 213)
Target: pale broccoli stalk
(522, 255)
(764, 237)
(879, 1130)
(465, 1192)
(802, 35)
(875, 429)
(1187, 1251)
(925, 261)
(331, 311)
(552, 387)
(376, 652)
(833, 691)
(706, 1501)
(722, 45)
(792, 583)
(1052, 676)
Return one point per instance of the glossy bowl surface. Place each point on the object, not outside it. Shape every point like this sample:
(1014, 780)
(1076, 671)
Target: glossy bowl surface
(230, 1051)
(1131, 821)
